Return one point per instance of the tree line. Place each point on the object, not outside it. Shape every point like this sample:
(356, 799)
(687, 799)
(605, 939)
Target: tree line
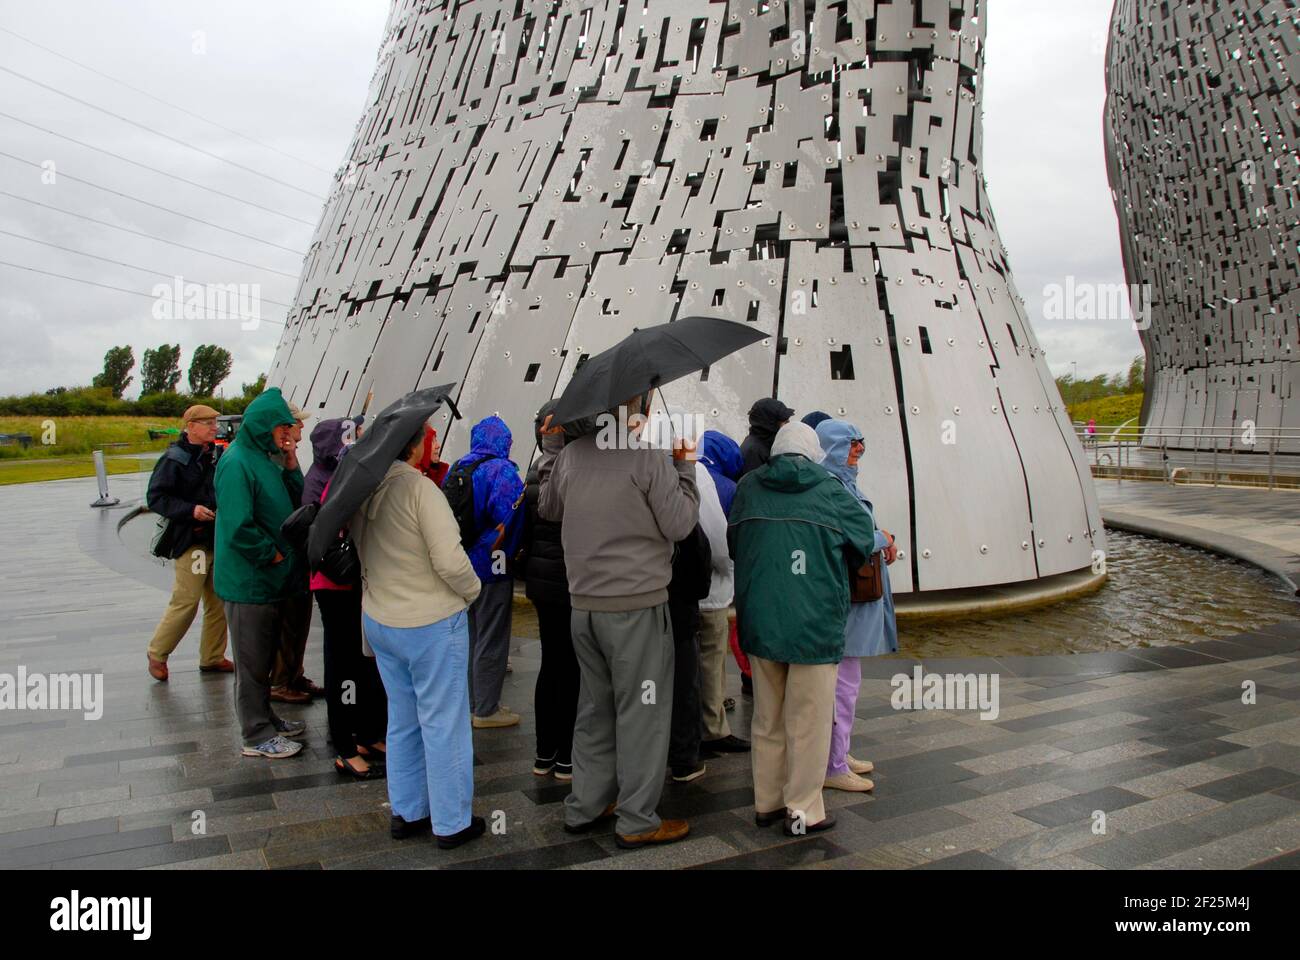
(160, 370)
(1119, 384)
(160, 377)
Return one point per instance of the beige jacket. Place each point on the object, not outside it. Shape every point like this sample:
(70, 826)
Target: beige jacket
(413, 569)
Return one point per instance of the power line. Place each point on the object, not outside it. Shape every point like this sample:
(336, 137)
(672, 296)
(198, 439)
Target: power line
(117, 263)
(147, 203)
(145, 166)
(148, 236)
(165, 103)
(159, 133)
(137, 293)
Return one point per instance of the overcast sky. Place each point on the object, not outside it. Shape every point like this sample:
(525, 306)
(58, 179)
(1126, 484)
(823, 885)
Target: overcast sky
(294, 75)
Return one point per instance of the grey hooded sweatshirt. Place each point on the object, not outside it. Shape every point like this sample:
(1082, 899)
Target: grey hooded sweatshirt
(622, 512)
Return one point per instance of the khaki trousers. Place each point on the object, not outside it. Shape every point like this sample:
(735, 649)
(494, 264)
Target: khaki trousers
(794, 707)
(193, 584)
(711, 634)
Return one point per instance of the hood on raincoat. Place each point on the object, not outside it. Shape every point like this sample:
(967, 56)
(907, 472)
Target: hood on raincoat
(327, 448)
(836, 437)
(798, 438)
(815, 418)
(721, 455)
(489, 437)
(267, 411)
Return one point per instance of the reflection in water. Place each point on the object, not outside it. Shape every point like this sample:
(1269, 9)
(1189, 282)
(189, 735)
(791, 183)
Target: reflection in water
(1157, 594)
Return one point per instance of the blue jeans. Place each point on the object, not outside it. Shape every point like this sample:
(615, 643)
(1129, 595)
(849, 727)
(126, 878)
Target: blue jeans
(430, 745)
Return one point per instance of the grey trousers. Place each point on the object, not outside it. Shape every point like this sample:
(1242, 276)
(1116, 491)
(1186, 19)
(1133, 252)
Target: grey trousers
(255, 630)
(489, 637)
(625, 708)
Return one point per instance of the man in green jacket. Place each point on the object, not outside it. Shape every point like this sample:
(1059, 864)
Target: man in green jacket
(257, 573)
(794, 531)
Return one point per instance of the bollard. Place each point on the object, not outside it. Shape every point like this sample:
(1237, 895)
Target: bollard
(101, 475)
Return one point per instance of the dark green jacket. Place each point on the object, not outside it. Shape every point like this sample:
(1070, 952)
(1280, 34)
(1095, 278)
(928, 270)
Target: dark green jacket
(254, 495)
(793, 532)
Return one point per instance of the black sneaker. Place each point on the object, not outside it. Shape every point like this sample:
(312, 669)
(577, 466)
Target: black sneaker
(746, 685)
(727, 744)
(477, 827)
(401, 829)
(687, 774)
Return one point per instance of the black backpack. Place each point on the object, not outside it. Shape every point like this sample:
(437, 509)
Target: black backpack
(458, 488)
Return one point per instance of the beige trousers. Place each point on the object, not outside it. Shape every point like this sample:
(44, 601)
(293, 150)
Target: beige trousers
(193, 584)
(794, 708)
(711, 635)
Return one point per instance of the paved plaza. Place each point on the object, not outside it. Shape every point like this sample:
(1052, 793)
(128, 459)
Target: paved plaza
(1157, 739)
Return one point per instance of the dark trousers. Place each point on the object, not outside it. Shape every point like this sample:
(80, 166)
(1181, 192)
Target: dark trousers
(688, 721)
(355, 702)
(294, 628)
(255, 630)
(555, 699)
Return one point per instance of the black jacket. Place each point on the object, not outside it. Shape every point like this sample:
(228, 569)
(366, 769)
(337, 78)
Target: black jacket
(541, 557)
(181, 478)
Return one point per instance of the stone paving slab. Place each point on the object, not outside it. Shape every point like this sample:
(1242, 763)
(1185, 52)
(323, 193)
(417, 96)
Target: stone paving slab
(1157, 740)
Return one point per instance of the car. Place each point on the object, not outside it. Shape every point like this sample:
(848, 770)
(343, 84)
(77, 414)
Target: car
(227, 427)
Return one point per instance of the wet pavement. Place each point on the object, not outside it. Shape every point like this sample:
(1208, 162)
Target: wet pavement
(1140, 758)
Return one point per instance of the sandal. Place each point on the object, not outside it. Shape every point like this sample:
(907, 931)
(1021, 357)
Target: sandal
(373, 750)
(373, 772)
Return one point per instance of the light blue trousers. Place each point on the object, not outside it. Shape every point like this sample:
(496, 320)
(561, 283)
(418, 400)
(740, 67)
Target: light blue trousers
(430, 744)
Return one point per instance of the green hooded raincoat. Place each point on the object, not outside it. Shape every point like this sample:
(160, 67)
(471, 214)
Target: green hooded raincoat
(254, 495)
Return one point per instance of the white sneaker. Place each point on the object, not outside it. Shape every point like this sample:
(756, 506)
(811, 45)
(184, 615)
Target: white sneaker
(504, 717)
(848, 781)
(277, 748)
(860, 766)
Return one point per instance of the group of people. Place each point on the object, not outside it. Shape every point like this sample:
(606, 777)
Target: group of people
(634, 559)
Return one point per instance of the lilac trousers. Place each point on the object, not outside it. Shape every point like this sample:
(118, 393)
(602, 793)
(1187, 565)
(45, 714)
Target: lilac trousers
(847, 683)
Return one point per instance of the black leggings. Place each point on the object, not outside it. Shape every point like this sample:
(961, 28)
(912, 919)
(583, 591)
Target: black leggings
(358, 713)
(555, 699)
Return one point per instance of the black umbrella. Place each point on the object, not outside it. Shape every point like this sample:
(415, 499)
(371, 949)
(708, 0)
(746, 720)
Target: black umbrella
(360, 472)
(649, 358)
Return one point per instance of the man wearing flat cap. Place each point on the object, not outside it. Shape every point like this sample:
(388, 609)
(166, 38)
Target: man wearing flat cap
(181, 490)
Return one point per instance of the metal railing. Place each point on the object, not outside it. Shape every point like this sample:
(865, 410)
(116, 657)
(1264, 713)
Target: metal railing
(1254, 456)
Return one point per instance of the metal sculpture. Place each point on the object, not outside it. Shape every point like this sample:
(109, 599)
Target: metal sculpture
(532, 179)
(1204, 157)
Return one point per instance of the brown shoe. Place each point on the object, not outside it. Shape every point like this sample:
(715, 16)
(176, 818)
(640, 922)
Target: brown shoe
(158, 669)
(307, 686)
(221, 666)
(286, 695)
(670, 831)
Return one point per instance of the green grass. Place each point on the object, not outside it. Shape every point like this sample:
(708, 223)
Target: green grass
(1109, 412)
(34, 471)
(80, 436)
